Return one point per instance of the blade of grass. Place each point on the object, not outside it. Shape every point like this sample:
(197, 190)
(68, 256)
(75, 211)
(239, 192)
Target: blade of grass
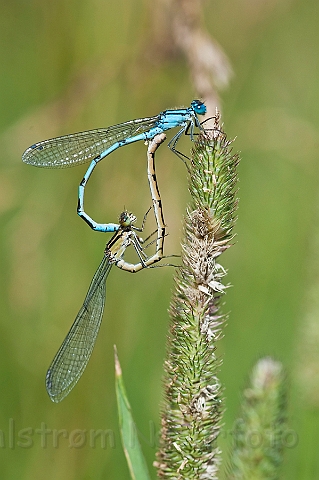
(132, 448)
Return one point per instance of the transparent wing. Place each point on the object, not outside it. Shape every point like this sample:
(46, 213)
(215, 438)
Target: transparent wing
(77, 148)
(76, 349)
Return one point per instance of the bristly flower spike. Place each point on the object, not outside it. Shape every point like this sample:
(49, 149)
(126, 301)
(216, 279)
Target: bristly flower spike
(192, 410)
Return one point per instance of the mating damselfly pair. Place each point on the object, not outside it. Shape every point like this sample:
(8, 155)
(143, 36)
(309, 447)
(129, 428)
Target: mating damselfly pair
(94, 145)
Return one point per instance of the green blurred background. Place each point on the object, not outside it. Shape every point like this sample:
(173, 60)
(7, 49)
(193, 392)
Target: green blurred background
(74, 65)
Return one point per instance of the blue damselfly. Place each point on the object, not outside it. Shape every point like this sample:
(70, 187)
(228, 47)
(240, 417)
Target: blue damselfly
(94, 145)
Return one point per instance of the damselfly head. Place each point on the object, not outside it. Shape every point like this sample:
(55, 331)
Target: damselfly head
(127, 219)
(199, 107)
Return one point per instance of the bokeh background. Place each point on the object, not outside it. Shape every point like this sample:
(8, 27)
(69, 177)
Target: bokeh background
(74, 65)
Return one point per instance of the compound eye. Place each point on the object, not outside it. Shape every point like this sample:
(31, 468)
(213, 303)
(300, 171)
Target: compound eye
(199, 107)
(126, 219)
